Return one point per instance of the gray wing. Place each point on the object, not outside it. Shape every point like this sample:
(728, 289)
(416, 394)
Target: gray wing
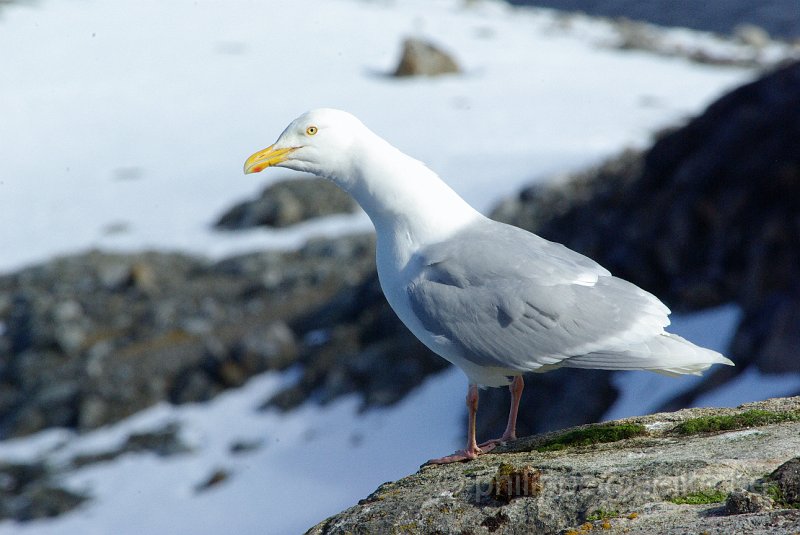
(512, 299)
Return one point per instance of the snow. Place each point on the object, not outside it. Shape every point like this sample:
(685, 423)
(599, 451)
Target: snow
(125, 125)
(311, 463)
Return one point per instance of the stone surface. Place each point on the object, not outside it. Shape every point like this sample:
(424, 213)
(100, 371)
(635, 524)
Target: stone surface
(356, 344)
(89, 339)
(787, 478)
(30, 491)
(34, 490)
(288, 202)
(163, 442)
(624, 486)
(741, 502)
(422, 58)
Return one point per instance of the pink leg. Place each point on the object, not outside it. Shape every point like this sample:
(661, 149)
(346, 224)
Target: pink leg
(472, 449)
(510, 433)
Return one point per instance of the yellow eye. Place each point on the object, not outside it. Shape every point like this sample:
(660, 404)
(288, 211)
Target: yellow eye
(311, 130)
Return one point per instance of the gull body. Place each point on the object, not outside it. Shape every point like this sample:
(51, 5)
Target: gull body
(493, 299)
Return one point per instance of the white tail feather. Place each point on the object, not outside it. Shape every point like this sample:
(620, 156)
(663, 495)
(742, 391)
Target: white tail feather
(666, 353)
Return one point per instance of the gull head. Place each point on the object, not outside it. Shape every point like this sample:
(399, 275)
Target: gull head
(320, 141)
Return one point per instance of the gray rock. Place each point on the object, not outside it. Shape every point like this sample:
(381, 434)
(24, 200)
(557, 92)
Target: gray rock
(366, 349)
(632, 485)
(269, 348)
(421, 58)
(787, 478)
(84, 344)
(164, 442)
(115, 274)
(287, 203)
(741, 501)
(30, 491)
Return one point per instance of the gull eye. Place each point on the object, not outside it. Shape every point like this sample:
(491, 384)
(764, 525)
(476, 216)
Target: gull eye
(311, 130)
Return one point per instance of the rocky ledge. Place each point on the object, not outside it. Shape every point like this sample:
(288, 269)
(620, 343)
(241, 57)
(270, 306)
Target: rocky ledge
(692, 471)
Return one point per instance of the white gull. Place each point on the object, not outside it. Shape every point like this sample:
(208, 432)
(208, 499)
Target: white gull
(495, 300)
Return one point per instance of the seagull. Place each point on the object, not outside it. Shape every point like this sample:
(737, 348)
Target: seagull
(493, 299)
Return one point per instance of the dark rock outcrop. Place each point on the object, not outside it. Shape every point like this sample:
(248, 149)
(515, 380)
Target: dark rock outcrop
(652, 475)
(709, 215)
(356, 344)
(31, 491)
(787, 482)
(89, 339)
(164, 442)
(286, 203)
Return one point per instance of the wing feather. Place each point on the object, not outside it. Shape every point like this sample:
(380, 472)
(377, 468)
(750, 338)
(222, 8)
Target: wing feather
(511, 299)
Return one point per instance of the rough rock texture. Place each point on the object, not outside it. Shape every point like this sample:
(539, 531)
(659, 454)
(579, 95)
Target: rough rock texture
(31, 490)
(709, 215)
(741, 501)
(787, 480)
(288, 202)
(421, 58)
(356, 343)
(89, 339)
(660, 481)
(164, 442)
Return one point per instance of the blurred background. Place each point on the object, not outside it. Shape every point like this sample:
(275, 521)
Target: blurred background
(186, 349)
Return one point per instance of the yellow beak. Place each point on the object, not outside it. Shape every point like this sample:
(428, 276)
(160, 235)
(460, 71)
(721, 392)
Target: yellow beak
(266, 158)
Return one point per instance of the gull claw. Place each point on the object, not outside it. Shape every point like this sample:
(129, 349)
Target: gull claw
(463, 455)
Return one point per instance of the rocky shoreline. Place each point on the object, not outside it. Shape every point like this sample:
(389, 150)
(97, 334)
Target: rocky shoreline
(693, 471)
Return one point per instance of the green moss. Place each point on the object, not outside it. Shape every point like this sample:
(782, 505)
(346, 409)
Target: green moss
(505, 470)
(592, 435)
(700, 497)
(751, 418)
(602, 514)
(774, 492)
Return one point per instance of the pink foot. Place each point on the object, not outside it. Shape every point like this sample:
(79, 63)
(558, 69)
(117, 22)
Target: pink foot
(463, 455)
(491, 444)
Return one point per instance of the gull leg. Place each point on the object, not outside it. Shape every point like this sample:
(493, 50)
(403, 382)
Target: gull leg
(510, 433)
(472, 450)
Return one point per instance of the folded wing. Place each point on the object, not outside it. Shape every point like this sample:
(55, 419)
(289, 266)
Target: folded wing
(509, 298)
